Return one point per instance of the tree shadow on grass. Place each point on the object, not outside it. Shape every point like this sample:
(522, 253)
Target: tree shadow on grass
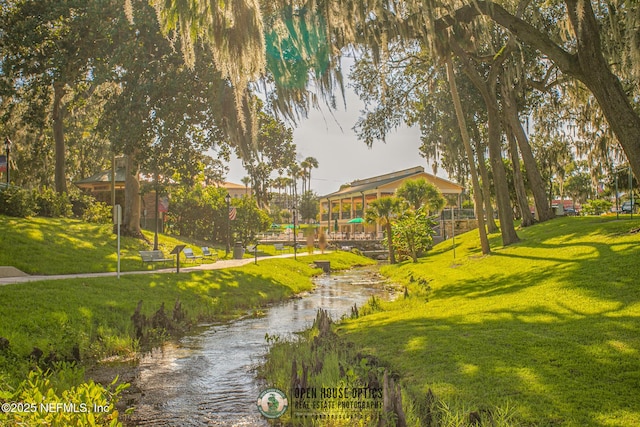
(556, 368)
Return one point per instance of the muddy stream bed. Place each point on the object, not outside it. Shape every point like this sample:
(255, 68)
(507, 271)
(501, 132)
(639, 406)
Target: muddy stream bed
(208, 379)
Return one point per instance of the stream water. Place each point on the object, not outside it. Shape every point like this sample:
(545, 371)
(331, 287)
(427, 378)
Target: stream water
(208, 379)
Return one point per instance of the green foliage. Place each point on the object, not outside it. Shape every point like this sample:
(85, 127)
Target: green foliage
(201, 213)
(309, 206)
(413, 234)
(17, 202)
(420, 193)
(47, 398)
(249, 221)
(98, 213)
(51, 204)
(198, 212)
(596, 207)
(20, 203)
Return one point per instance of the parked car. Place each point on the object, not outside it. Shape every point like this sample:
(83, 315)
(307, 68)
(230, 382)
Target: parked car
(570, 212)
(627, 207)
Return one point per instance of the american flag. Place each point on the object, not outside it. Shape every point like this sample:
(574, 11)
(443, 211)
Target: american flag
(232, 213)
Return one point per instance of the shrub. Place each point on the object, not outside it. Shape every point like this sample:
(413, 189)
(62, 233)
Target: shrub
(97, 212)
(80, 202)
(51, 204)
(17, 202)
(596, 207)
(60, 399)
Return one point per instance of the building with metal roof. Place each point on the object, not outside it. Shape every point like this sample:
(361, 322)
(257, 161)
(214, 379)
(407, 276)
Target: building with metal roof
(343, 211)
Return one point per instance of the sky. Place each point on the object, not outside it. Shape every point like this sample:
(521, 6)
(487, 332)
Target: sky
(329, 137)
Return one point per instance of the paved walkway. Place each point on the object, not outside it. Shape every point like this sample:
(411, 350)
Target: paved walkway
(184, 268)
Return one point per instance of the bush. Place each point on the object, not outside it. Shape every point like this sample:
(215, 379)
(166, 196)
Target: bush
(97, 212)
(51, 204)
(596, 207)
(60, 399)
(80, 202)
(17, 202)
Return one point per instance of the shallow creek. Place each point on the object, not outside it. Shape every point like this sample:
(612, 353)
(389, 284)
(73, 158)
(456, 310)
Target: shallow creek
(208, 379)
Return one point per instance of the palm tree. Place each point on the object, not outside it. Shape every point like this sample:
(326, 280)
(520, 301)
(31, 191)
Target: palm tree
(246, 180)
(303, 175)
(294, 174)
(383, 210)
(419, 192)
(312, 163)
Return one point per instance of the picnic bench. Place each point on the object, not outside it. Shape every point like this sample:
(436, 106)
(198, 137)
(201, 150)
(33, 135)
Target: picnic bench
(207, 254)
(190, 256)
(154, 256)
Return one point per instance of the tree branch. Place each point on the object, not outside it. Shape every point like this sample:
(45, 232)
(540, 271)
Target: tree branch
(566, 61)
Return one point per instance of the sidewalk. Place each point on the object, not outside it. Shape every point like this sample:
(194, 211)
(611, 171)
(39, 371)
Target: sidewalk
(184, 268)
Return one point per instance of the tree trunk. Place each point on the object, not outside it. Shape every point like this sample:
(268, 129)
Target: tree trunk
(477, 193)
(492, 227)
(58, 137)
(501, 186)
(543, 210)
(521, 192)
(392, 255)
(505, 213)
(131, 220)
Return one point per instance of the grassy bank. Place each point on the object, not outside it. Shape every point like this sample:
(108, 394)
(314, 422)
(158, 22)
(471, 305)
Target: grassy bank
(547, 329)
(64, 246)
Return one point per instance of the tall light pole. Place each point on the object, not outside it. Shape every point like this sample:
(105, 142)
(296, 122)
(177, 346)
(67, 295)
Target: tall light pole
(227, 198)
(295, 239)
(630, 185)
(155, 234)
(7, 147)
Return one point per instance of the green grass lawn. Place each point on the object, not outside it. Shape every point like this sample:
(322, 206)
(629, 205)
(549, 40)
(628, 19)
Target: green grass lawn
(549, 327)
(63, 246)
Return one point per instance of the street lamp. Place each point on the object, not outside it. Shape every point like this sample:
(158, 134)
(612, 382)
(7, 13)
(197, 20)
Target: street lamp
(295, 241)
(7, 147)
(227, 198)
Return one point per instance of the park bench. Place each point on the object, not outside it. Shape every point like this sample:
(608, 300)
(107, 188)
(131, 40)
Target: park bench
(252, 248)
(154, 256)
(207, 254)
(278, 247)
(190, 256)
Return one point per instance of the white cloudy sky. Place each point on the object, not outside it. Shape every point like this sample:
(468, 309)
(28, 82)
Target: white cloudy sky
(341, 156)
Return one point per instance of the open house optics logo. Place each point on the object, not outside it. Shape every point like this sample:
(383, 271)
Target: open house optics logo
(272, 403)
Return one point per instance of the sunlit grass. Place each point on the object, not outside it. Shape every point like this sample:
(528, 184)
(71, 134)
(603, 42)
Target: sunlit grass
(62, 246)
(550, 326)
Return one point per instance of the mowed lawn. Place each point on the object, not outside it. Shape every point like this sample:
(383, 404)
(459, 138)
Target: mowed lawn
(549, 327)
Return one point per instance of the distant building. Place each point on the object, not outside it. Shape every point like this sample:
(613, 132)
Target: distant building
(236, 191)
(350, 202)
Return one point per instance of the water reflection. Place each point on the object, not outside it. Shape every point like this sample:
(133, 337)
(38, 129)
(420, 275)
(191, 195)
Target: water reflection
(208, 380)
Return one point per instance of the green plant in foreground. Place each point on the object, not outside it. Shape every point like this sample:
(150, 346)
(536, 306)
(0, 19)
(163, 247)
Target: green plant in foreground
(58, 399)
